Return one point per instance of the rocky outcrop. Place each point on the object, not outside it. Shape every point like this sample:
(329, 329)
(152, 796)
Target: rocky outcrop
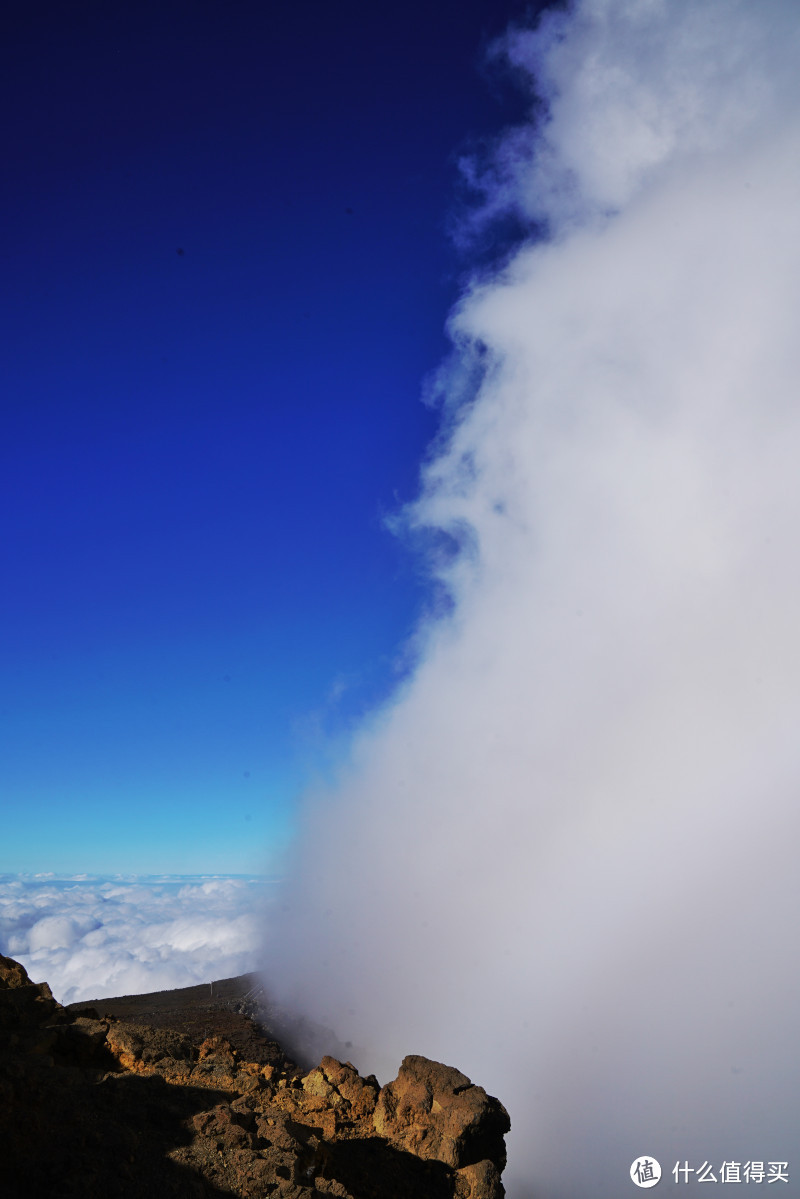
(435, 1112)
(93, 1106)
(12, 974)
(23, 1004)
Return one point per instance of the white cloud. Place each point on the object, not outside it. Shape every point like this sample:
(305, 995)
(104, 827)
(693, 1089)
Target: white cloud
(91, 937)
(626, 104)
(563, 861)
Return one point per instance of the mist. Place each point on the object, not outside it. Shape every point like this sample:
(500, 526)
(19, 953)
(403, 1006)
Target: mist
(562, 858)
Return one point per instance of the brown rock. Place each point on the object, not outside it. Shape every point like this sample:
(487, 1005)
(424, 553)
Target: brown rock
(435, 1112)
(12, 974)
(479, 1181)
(24, 1004)
(84, 1042)
(315, 1083)
(138, 1048)
(359, 1094)
(127, 1046)
(219, 1050)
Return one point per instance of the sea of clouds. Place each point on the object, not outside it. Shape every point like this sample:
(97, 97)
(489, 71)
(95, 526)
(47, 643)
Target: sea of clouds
(98, 937)
(564, 859)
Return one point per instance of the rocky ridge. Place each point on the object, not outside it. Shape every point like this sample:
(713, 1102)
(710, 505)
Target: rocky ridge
(95, 1106)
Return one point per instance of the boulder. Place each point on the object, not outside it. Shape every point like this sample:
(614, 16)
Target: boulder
(480, 1181)
(12, 974)
(435, 1112)
(23, 1004)
(340, 1084)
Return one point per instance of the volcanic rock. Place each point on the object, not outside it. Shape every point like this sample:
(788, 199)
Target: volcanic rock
(96, 1107)
(12, 974)
(434, 1111)
(23, 1003)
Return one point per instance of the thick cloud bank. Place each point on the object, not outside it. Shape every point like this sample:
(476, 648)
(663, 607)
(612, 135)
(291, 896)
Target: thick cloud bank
(565, 859)
(90, 938)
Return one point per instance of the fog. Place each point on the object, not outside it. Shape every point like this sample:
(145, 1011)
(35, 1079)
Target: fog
(562, 858)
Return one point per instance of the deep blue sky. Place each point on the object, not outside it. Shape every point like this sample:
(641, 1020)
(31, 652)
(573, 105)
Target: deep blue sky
(225, 273)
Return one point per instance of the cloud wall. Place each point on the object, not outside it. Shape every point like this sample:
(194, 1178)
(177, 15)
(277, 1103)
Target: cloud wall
(563, 859)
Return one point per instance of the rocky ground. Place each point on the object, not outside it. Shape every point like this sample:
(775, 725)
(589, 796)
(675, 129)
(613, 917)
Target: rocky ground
(229, 1008)
(182, 1094)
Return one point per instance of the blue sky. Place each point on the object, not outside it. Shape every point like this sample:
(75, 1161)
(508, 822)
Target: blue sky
(227, 263)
